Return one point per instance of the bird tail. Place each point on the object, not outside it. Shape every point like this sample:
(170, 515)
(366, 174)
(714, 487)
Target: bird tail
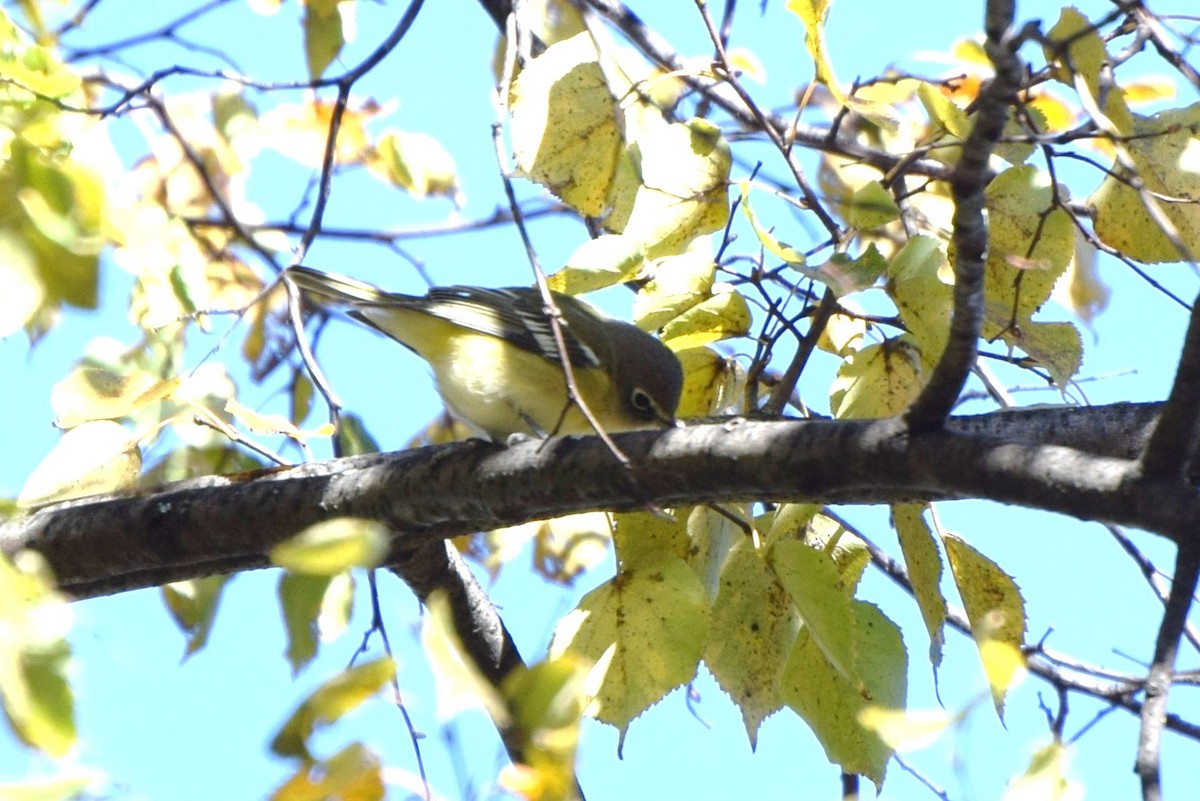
(339, 288)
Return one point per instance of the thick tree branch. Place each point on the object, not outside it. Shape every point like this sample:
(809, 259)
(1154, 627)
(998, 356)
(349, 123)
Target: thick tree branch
(220, 524)
(967, 183)
(1173, 443)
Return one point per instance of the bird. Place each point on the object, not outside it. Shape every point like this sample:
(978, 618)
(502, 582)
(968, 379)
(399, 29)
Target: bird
(496, 361)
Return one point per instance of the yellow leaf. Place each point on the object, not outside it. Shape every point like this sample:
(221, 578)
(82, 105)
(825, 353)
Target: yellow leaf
(273, 423)
(903, 729)
(654, 619)
(924, 300)
(924, 565)
(1165, 149)
(679, 283)
(753, 627)
(329, 702)
(416, 162)
(726, 314)
(95, 393)
(332, 546)
(95, 457)
(606, 260)
(681, 179)
(996, 613)
(564, 127)
(193, 605)
(1046, 777)
(712, 383)
(943, 112)
(877, 381)
(1074, 47)
(352, 774)
(24, 293)
(458, 684)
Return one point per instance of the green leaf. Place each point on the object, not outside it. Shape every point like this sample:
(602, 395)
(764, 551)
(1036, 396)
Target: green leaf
(819, 594)
(323, 36)
(1074, 47)
(332, 546)
(832, 705)
(872, 206)
(301, 599)
(996, 612)
(344, 692)
(654, 620)
(924, 564)
(924, 300)
(640, 537)
(753, 627)
(193, 606)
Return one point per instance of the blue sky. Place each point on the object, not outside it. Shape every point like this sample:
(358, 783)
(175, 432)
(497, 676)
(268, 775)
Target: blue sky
(161, 728)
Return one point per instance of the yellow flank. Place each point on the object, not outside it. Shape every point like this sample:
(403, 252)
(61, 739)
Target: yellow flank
(465, 367)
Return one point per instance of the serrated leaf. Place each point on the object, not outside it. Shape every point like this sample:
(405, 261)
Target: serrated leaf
(924, 564)
(329, 702)
(816, 588)
(877, 381)
(95, 457)
(193, 606)
(655, 618)
(832, 705)
(1056, 346)
(996, 612)
(565, 129)
(333, 546)
(753, 627)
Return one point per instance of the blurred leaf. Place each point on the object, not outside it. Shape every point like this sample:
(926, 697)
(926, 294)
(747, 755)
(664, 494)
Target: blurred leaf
(329, 702)
(418, 163)
(323, 36)
(70, 783)
(92, 393)
(352, 774)
(905, 730)
(458, 683)
(1074, 47)
(35, 657)
(273, 423)
(1046, 777)
(95, 457)
(872, 206)
(333, 546)
(193, 606)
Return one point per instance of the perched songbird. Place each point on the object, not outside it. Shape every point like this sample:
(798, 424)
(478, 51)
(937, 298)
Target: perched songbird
(497, 365)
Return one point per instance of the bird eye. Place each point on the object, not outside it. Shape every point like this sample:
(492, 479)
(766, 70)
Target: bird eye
(641, 402)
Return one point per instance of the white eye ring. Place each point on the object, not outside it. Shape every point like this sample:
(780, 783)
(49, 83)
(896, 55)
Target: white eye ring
(641, 401)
